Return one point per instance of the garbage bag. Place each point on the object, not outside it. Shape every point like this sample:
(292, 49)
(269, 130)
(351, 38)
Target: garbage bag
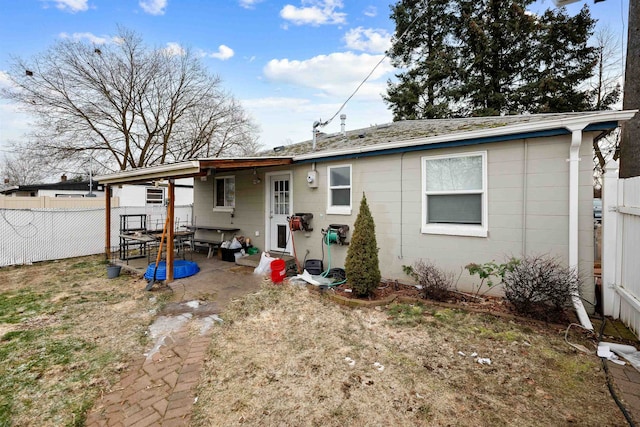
(235, 244)
(264, 267)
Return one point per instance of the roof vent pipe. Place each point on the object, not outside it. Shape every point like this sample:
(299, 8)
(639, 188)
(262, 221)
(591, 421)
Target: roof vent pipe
(314, 131)
(343, 118)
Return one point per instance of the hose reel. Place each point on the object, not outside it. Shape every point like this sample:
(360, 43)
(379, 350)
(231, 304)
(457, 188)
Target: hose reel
(301, 221)
(335, 234)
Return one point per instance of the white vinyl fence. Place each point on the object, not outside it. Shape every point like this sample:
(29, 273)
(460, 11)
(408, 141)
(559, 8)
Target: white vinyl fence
(621, 248)
(32, 235)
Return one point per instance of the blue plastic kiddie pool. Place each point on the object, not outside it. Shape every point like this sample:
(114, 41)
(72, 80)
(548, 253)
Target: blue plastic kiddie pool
(181, 268)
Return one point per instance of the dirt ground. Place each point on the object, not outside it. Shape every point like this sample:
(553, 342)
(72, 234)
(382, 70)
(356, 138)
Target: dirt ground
(287, 356)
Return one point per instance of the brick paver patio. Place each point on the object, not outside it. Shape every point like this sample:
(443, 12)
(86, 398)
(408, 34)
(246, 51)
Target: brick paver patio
(159, 389)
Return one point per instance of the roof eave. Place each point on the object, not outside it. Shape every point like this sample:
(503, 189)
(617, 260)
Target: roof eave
(172, 170)
(190, 169)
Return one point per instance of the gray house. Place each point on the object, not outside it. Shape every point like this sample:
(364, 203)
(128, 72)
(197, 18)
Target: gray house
(452, 191)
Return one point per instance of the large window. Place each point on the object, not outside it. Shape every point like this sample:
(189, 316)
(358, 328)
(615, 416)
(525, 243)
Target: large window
(454, 199)
(339, 190)
(224, 193)
(155, 196)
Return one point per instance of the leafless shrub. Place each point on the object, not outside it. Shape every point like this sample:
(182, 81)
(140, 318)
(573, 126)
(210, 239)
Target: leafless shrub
(540, 287)
(435, 283)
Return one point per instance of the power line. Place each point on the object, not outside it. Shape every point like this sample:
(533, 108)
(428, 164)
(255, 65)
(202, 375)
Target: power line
(386, 54)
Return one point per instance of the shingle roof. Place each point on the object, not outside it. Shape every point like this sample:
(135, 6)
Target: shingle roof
(63, 185)
(408, 130)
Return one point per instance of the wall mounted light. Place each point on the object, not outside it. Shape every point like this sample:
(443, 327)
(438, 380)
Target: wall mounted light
(256, 179)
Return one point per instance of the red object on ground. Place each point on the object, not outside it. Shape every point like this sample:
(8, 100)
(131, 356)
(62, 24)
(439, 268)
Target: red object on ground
(277, 270)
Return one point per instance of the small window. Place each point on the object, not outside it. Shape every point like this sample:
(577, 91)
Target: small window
(224, 193)
(339, 190)
(155, 196)
(455, 194)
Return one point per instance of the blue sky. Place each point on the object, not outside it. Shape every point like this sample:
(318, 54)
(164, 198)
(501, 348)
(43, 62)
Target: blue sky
(290, 63)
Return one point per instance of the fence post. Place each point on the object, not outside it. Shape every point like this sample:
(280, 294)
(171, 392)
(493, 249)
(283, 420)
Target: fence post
(610, 300)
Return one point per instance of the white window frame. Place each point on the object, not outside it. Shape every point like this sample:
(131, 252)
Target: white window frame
(225, 208)
(339, 210)
(154, 202)
(471, 230)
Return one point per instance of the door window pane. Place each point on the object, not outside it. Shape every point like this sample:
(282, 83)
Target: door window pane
(281, 197)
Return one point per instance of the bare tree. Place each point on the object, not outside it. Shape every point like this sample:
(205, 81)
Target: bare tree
(605, 91)
(21, 169)
(605, 87)
(128, 105)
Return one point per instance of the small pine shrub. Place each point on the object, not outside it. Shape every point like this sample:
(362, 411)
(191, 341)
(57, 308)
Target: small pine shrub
(361, 265)
(540, 287)
(435, 283)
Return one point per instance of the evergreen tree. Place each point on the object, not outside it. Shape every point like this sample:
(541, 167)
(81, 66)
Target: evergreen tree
(424, 53)
(495, 46)
(488, 57)
(361, 265)
(564, 64)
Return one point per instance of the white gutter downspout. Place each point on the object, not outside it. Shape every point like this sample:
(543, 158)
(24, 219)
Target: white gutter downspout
(574, 182)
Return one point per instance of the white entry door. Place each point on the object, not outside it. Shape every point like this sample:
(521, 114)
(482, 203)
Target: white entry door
(279, 211)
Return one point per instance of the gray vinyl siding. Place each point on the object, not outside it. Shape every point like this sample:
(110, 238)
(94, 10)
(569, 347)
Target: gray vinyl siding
(392, 184)
(249, 210)
(547, 208)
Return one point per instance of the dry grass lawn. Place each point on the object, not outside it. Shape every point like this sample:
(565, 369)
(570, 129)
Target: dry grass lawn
(288, 357)
(66, 334)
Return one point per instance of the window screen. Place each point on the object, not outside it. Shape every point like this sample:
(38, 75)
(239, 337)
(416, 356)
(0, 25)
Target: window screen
(454, 189)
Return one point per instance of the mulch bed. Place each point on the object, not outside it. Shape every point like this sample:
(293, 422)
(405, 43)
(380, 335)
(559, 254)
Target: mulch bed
(393, 291)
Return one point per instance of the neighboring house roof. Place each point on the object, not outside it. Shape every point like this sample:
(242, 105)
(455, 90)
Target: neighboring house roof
(435, 133)
(61, 186)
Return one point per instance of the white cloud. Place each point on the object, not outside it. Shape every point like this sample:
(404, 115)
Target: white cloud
(337, 74)
(249, 4)
(368, 40)
(174, 49)
(72, 6)
(318, 12)
(153, 7)
(86, 36)
(223, 53)
(371, 11)
(5, 81)
(275, 116)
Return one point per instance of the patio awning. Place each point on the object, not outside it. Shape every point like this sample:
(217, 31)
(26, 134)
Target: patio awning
(191, 168)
